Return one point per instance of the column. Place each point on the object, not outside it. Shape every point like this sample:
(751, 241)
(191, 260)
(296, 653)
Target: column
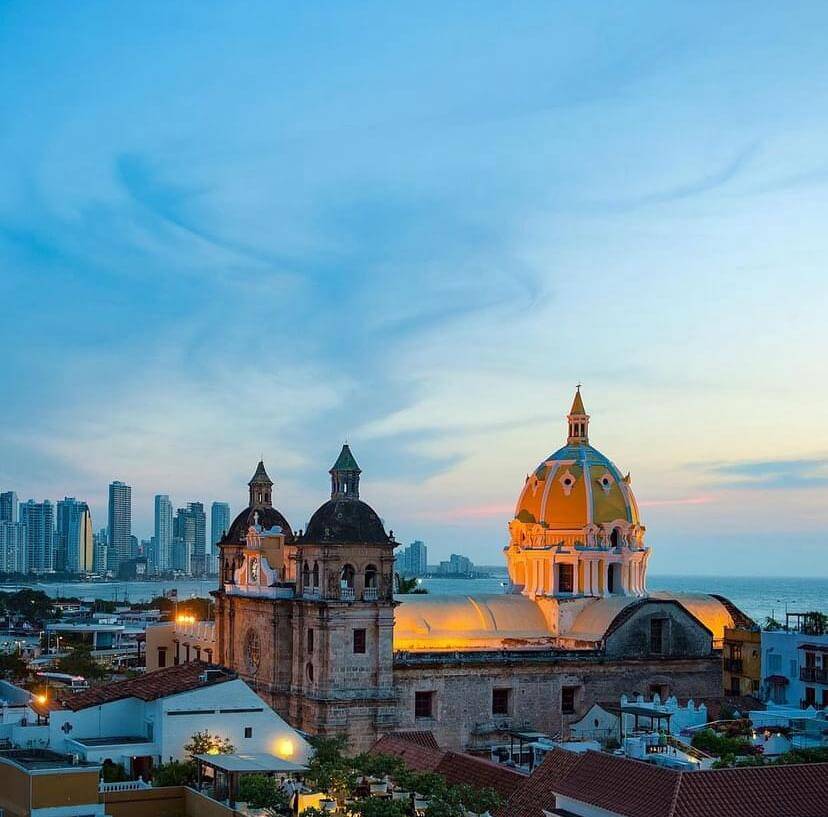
(554, 577)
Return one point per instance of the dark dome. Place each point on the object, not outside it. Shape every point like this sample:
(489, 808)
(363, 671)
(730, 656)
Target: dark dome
(348, 521)
(268, 518)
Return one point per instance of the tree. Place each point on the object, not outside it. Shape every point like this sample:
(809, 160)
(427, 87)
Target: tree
(81, 662)
(261, 791)
(203, 743)
(174, 773)
(378, 807)
(113, 772)
(406, 586)
(33, 605)
(771, 624)
(13, 666)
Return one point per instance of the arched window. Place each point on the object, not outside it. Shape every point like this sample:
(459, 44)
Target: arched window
(615, 537)
(305, 575)
(371, 576)
(316, 574)
(228, 570)
(347, 576)
(309, 671)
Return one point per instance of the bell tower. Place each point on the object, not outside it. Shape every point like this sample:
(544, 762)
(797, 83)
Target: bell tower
(343, 617)
(578, 421)
(261, 488)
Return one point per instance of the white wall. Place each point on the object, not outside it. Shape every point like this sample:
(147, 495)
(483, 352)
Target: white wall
(781, 656)
(270, 733)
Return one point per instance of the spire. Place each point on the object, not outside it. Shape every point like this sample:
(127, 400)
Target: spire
(345, 475)
(261, 488)
(578, 421)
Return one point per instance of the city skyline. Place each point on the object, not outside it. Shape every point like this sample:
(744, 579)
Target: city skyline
(419, 238)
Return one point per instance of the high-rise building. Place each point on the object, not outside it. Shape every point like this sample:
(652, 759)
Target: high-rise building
(412, 560)
(163, 532)
(120, 522)
(73, 550)
(100, 551)
(8, 507)
(219, 525)
(190, 539)
(39, 519)
(457, 565)
(13, 547)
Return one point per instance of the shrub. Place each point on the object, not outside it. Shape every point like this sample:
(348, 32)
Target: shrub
(174, 773)
(261, 791)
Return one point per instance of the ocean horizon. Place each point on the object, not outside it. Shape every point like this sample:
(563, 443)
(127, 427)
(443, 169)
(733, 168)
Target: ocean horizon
(757, 596)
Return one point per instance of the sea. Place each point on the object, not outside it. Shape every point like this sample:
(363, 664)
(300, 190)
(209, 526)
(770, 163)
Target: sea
(759, 597)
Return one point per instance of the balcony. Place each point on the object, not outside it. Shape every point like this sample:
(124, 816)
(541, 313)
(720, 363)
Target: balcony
(733, 665)
(814, 675)
(347, 594)
(370, 594)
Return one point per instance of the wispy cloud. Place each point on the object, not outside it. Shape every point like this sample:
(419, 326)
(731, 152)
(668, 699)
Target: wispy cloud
(773, 474)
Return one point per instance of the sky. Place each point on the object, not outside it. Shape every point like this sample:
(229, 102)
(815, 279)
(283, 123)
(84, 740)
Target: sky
(239, 230)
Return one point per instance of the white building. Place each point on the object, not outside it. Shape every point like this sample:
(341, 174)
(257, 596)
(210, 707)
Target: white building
(795, 668)
(148, 720)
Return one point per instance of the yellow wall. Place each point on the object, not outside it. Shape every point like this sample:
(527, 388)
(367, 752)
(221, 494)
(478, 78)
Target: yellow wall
(14, 790)
(65, 789)
(170, 801)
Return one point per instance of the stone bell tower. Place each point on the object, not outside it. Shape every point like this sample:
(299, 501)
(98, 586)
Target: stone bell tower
(343, 618)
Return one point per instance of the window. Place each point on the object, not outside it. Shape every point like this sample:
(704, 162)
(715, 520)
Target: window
(565, 580)
(347, 576)
(774, 664)
(316, 574)
(423, 704)
(150, 730)
(198, 653)
(310, 639)
(371, 576)
(500, 701)
(568, 700)
(309, 671)
(657, 635)
(248, 731)
(187, 653)
(359, 641)
(305, 575)
(162, 657)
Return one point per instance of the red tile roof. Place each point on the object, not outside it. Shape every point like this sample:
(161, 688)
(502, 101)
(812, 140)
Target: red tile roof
(636, 789)
(150, 686)
(420, 752)
(538, 791)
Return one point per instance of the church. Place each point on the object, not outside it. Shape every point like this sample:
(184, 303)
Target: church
(308, 618)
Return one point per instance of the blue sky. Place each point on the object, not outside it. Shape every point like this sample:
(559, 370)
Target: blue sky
(228, 231)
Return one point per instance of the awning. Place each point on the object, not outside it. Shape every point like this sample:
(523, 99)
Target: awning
(777, 679)
(813, 647)
(254, 762)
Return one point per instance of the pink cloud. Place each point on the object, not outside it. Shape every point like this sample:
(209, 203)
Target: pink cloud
(690, 500)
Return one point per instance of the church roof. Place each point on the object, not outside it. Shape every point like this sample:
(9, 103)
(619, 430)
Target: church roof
(346, 521)
(578, 403)
(345, 461)
(424, 622)
(268, 517)
(260, 477)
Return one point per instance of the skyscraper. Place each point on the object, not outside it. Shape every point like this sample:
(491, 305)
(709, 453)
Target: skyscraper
(39, 519)
(219, 525)
(73, 539)
(75, 536)
(163, 532)
(8, 507)
(190, 533)
(99, 556)
(412, 560)
(120, 521)
(12, 547)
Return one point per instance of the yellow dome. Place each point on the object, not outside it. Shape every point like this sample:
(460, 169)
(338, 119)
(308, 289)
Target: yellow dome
(577, 485)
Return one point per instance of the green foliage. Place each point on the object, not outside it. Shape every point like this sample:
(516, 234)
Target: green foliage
(721, 746)
(113, 772)
(33, 605)
(378, 807)
(81, 662)
(174, 773)
(13, 666)
(312, 811)
(406, 586)
(771, 624)
(202, 743)
(379, 765)
(816, 755)
(261, 791)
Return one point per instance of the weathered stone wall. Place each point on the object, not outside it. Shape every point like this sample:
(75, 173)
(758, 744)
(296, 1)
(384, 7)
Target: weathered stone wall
(682, 634)
(463, 685)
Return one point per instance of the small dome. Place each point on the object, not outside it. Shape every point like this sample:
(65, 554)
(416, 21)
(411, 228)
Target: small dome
(346, 521)
(267, 519)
